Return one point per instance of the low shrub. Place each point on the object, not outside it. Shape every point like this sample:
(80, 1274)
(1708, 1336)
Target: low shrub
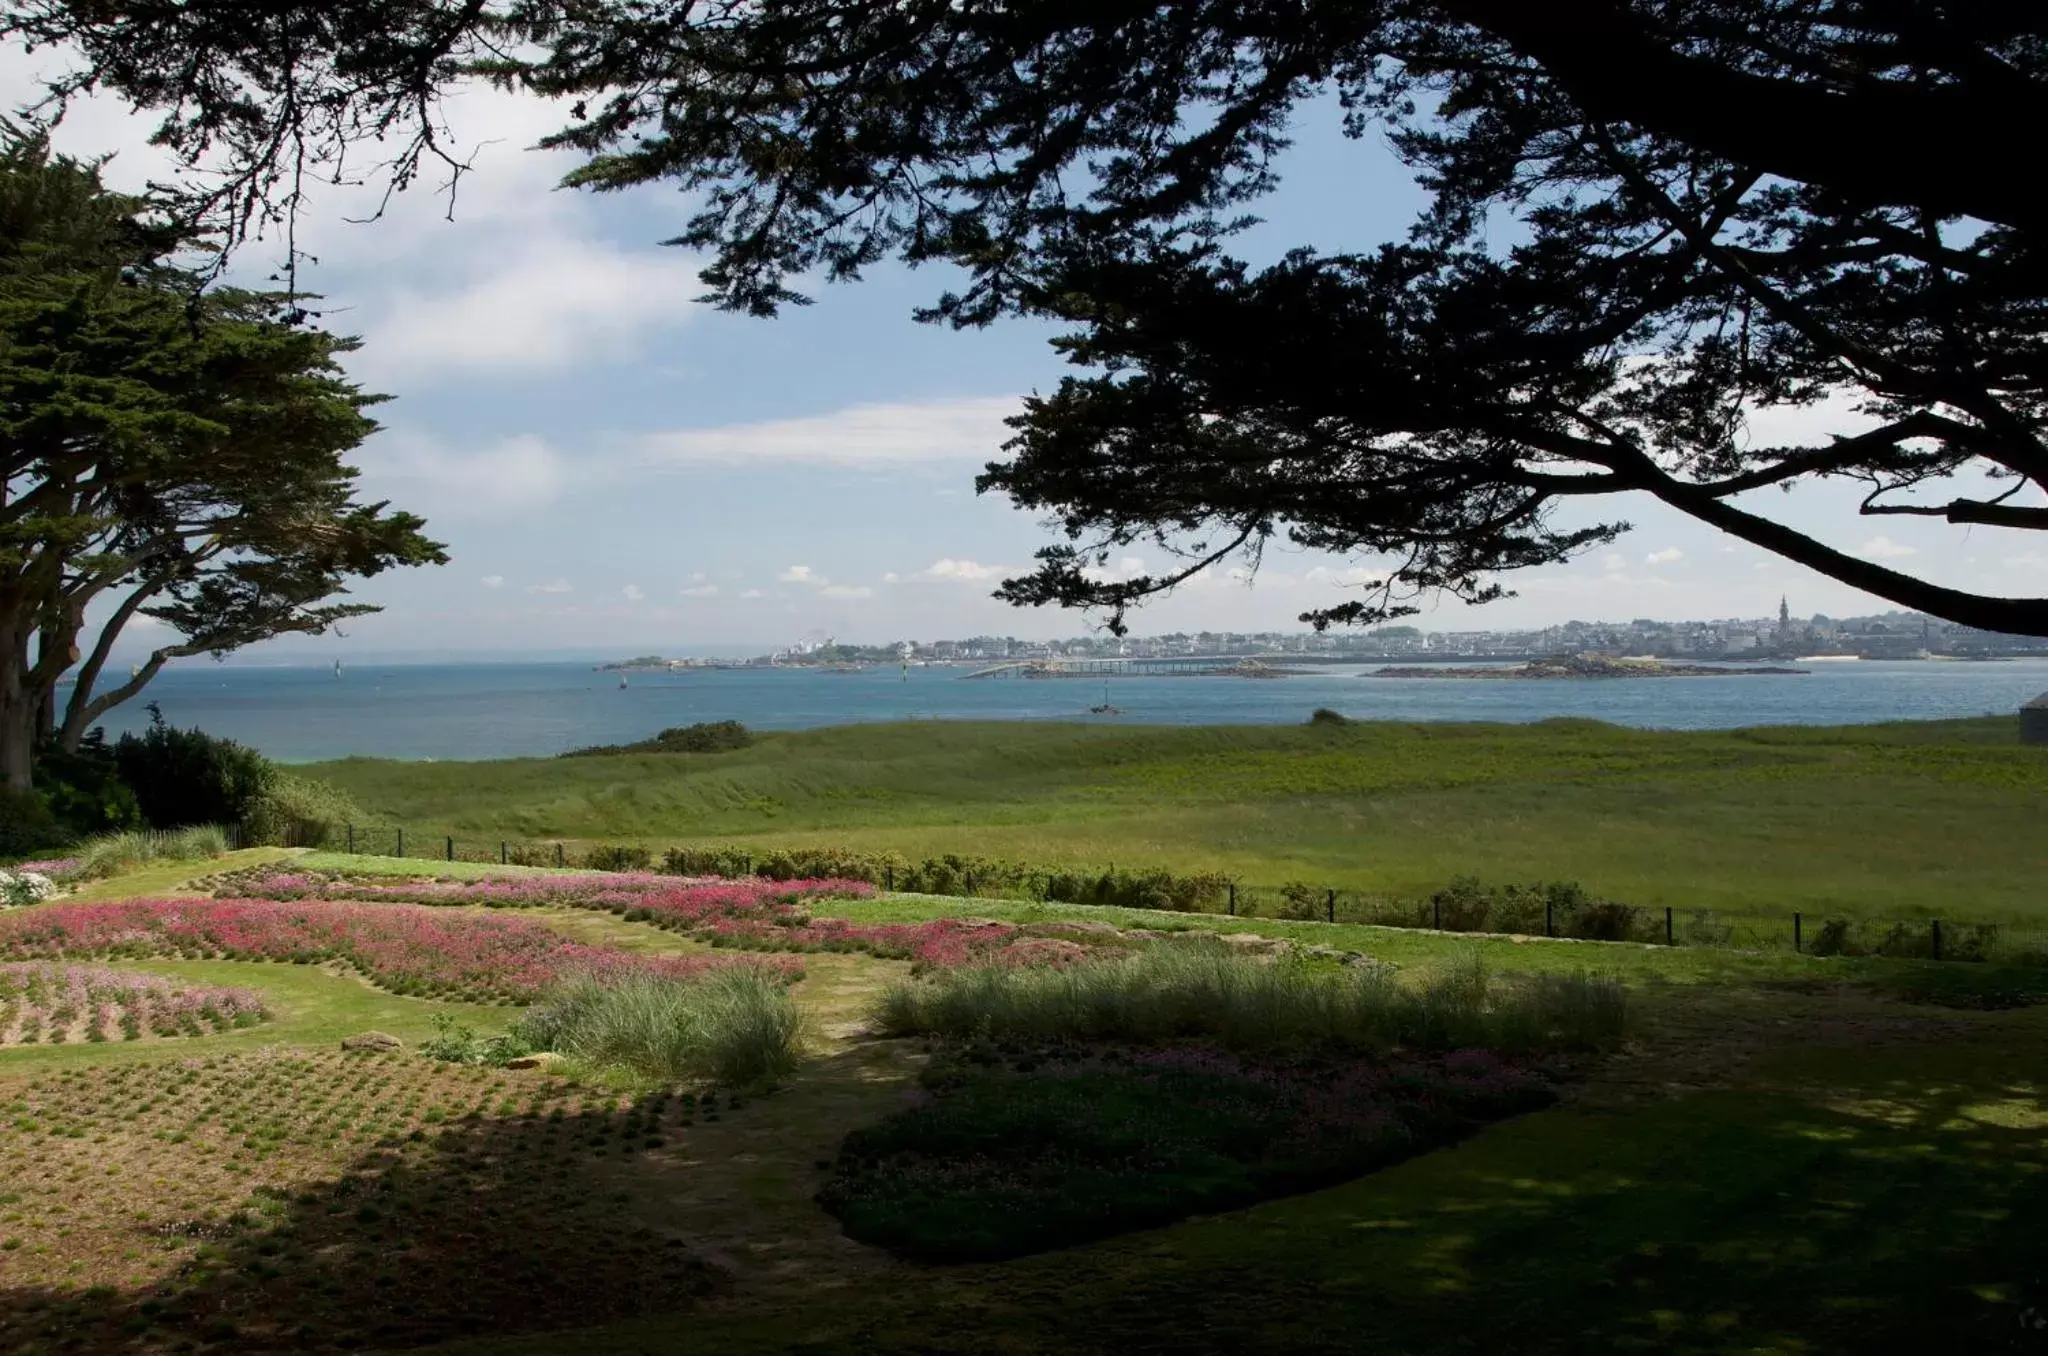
(1010, 1160)
(1246, 1003)
(1323, 715)
(735, 1027)
(1557, 908)
(294, 811)
(455, 1043)
(26, 824)
(717, 736)
(606, 857)
(20, 887)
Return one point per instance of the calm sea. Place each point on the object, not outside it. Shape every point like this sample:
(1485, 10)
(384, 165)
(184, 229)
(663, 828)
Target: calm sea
(466, 711)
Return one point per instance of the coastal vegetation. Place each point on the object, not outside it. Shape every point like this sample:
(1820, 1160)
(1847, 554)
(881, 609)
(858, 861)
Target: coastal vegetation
(1896, 822)
(999, 1117)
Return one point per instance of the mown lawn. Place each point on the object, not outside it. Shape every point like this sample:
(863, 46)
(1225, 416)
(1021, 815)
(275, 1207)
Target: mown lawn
(1891, 821)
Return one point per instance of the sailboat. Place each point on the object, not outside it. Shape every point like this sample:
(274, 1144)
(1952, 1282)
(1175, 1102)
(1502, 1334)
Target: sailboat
(622, 682)
(337, 670)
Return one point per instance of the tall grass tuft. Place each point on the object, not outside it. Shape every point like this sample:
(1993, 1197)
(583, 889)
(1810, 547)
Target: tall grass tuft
(111, 854)
(737, 1027)
(1246, 1003)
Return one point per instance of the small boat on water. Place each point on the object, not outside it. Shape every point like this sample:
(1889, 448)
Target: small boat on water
(622, 681)
(337, 670)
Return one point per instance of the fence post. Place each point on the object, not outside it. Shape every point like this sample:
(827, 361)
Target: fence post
(401, 842)
(1436, 905)
(504, 853)
(1798, 942)
(1937, 939)
(1549, 925)
(351, 840)
(1330, 906)
(558, 854)
(451, 847)
(1233, 899)
(1667, 926)
(889, 876)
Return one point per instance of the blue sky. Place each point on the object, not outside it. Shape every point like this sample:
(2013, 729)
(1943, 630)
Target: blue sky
(615, 467)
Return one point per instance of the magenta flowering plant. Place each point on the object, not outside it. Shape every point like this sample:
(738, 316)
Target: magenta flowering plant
(52, 1003)
(405, 948)
(749, 913)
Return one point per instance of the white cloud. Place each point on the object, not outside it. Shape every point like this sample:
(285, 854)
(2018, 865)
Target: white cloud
(966, 429)
(1884, 548)
(751, 593)
(846, 591)
(492, 581)
(1614, 560)
(632, 593)
(552, 301)
(947, 569)
(552, 586)
(699, 591)
(801, 574)
(1664, 557)
(507, 476)
(1354, 576)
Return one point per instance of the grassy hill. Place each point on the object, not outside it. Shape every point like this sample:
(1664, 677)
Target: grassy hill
(1902, 820)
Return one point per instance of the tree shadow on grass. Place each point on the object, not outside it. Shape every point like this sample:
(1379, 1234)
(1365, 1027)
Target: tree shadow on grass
(1911, 1215)
(482, 1225)
(1896, 1200)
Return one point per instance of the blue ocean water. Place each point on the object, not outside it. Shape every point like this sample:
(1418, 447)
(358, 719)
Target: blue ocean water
(467, 711)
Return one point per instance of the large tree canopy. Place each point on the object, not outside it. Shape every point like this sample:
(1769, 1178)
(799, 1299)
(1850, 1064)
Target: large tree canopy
(1709, 208)
(165, 452)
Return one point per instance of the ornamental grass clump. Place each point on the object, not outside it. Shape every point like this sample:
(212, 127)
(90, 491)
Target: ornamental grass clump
(1247, 1003)
(114, 853)
(735, 1027)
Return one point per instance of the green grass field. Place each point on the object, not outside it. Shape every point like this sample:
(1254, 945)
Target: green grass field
(1784, 1158)
(1889, 821)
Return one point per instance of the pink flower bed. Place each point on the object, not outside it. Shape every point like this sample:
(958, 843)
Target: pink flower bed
(941, 942)
(405, 948)
(678, 897)
(44, 1002)
(746, 914)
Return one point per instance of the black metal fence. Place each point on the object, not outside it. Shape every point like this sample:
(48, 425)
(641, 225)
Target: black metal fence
(1556, 914)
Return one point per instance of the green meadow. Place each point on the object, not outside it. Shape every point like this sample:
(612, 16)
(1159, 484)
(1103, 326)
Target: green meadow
(1901, 821)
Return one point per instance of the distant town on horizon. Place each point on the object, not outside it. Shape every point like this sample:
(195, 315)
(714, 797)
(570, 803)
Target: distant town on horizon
(1889, 635)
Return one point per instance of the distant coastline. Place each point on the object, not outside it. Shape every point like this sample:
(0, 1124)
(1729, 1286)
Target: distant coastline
(1589, 667)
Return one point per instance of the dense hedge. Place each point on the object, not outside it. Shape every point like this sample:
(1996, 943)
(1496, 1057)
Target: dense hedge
(1156, 888)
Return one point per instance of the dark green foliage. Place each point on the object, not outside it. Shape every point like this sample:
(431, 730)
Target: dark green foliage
(172, 451)
(83, 789)
(955, 874)
(1562, 907)
(1644, 222)
(1323, 715)
(183, 777)
(300, 812)
(1002, 1162)
(26, 824)
(718, 736)
(617, 858)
